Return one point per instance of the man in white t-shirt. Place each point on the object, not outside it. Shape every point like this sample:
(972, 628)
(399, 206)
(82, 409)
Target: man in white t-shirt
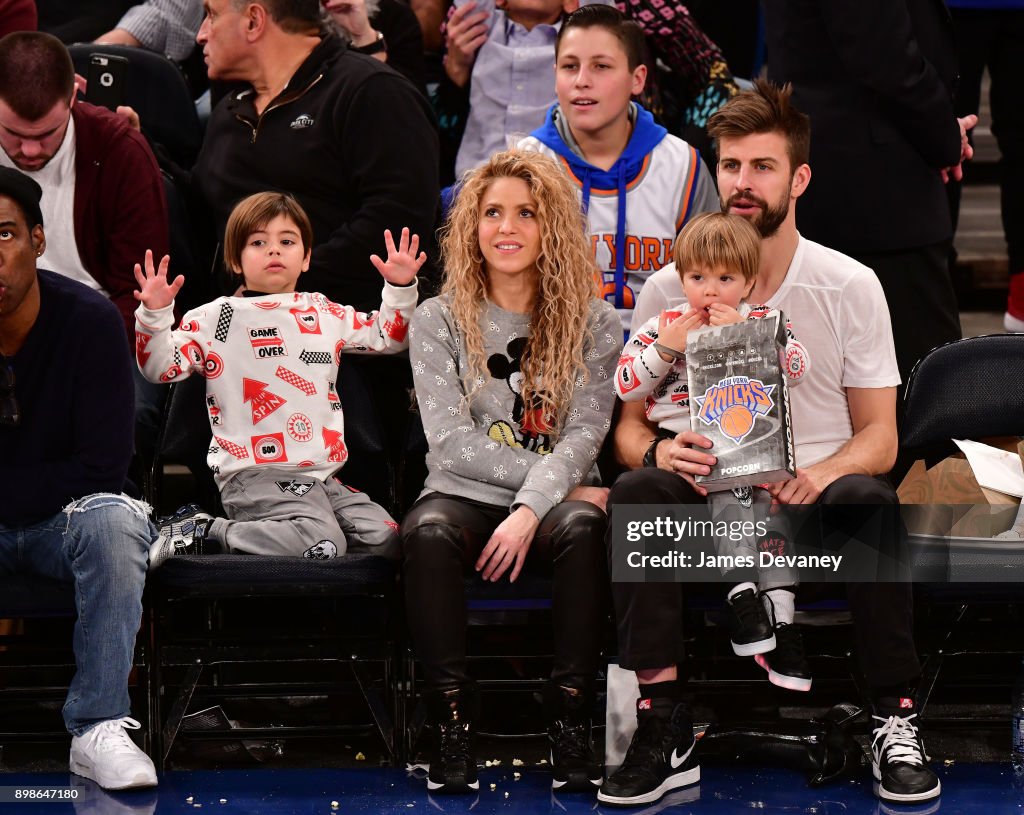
(844, 425)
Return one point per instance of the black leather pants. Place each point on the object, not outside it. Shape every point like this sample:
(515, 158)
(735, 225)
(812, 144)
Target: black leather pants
(443, 535)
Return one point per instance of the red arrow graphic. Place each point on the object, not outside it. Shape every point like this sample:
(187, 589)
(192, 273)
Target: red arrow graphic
(263, 401)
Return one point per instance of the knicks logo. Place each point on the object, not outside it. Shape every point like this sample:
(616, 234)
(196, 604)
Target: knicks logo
(734, 403)
(641, 254)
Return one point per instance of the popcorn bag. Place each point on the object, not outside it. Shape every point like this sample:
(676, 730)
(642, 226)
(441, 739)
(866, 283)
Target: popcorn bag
(739, 399)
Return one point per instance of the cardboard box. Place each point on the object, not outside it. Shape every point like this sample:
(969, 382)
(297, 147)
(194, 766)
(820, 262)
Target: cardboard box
(947, 500)
(739, 399)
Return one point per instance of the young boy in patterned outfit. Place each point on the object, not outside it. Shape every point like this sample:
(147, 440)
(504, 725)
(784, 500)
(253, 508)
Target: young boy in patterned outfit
(716, 256)
(270, 358)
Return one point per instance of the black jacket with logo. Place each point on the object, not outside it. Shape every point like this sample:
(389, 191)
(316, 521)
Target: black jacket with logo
(353, 141)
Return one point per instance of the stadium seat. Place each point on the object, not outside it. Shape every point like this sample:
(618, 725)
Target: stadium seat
(236, 628)
(969, 389)
(241, 627)
(965, 389)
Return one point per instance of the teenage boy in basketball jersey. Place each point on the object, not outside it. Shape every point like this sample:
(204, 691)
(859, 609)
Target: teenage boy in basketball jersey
(638, 184)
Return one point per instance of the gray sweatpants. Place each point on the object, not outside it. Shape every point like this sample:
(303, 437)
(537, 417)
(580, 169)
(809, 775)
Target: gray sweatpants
(752, 504)
(276, 512)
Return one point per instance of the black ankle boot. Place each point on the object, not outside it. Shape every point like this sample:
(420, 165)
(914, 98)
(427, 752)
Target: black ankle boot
(574, 767)
(452, 719)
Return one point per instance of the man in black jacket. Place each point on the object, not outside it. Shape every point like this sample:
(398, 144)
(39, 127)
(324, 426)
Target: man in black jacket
(876, 77)
(350, 138)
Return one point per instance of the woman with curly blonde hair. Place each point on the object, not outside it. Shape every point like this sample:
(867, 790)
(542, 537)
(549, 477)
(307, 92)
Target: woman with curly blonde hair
(512, 365)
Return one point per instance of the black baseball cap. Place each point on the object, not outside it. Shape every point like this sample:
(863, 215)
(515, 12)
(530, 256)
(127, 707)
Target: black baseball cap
(25, 191)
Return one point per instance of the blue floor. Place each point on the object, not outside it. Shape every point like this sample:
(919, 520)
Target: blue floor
(967, 788)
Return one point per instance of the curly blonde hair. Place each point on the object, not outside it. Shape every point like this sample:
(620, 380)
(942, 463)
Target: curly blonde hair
(566, 279)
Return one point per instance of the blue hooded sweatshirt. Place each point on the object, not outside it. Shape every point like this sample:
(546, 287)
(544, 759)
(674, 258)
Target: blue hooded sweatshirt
(647, 135)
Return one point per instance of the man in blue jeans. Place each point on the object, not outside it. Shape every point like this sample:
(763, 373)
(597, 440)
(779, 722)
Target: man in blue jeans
(66, 422)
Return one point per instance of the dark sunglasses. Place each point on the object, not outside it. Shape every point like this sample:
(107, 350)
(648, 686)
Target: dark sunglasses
(10, 415)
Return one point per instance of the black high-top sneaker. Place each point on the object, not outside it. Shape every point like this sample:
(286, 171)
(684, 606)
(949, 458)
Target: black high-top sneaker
(750, 630)
(660, 757)
(574, 768)
(898, 759)
(787, 665)
(452, 719)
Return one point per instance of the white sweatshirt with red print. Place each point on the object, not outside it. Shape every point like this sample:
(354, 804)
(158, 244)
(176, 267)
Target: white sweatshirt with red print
(643, 374)
(271, 363)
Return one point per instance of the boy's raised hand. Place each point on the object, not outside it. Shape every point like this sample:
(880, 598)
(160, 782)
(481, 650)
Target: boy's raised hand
(403, 263)
(155, 292)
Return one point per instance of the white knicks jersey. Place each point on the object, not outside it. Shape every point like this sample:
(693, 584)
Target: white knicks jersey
(671, 187)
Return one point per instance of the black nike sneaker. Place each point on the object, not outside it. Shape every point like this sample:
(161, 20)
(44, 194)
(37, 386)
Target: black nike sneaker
(898, 760)
(660, 757)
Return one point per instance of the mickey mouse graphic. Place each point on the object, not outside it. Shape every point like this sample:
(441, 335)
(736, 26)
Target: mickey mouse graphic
(534, 427)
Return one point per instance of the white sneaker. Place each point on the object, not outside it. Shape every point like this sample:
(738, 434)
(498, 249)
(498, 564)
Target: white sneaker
(106, 754)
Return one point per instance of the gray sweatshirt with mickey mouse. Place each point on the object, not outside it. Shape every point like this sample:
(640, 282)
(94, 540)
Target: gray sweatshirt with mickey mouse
(497, 450)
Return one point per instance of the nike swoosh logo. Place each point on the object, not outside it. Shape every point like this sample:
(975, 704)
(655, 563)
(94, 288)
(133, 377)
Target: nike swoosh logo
(677, 760)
